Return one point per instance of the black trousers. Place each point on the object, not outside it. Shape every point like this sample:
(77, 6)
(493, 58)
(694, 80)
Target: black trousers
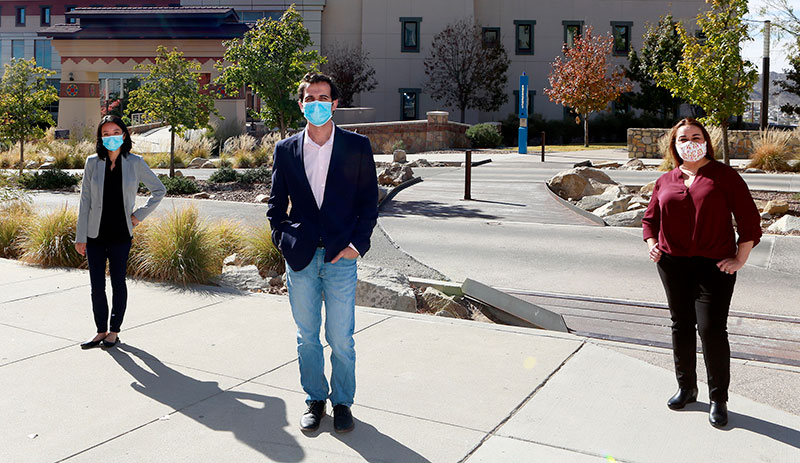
(699, 294)
(97, 253)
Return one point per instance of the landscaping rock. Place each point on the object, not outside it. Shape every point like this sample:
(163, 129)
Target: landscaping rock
(751, 170)
(607, 165)
(276, 281)
(399, 156)
(436, 301)
(615, 192)
(594, 174)
(766, 216)
(613, 207)
(420, 163)
(208, 165)
(47, 165)
(626, 219)
(383, 192)
(246, 278)
(634, 164)
(384, 288)
(395, 175)
(586, 163)
(568, 184)
(178, 173)
(197, 162)
(776, 206)
(590, 203)
(231, 260)
(31, 164)
(648, 188)
(201, 195)
(444, 313)
(262, 198)
(786, 224)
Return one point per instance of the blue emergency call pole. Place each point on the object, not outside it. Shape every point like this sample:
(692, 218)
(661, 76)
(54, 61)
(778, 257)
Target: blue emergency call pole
(523, 114)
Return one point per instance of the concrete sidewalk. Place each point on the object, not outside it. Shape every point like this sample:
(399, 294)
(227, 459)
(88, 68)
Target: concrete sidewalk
(204, 374)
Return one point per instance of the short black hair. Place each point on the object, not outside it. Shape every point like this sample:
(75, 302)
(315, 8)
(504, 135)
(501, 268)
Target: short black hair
(313, 78)
(127, 144)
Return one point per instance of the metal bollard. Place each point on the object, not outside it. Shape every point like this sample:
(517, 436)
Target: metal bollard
(468, 176)
(542, 146)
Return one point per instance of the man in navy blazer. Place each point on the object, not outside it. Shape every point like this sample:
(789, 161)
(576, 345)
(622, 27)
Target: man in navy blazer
(322, 209)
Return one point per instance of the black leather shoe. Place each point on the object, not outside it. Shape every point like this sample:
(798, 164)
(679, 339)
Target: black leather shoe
(108, 344)
(682, 397)
(342, 419)
(718, 414)
(313, 416)
(90, 344)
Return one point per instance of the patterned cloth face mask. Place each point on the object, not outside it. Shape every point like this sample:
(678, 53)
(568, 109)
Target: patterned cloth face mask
(691, 151)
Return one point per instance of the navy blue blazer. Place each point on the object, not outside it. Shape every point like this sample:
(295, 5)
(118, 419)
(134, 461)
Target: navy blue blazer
(349, 209)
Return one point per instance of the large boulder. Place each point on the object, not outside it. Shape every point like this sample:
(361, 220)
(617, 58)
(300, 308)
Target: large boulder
(648, 188)
(613, 207)
(384, 288)
(436, 301)
(615, 192)
(634, 164)
(568, 184)
(245, 278)
(590, 203)
(775, 207)
(395, 174)
(399, 156)
(595, 174)
(786, 224)
(626, 219)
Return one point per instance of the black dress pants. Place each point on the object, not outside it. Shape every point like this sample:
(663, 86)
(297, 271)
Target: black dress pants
(97, 253)
(699, 294)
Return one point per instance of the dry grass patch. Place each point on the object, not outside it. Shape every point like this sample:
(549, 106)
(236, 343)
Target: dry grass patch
(49, 240)
(261, 252)
(772, 151)
(15, 215)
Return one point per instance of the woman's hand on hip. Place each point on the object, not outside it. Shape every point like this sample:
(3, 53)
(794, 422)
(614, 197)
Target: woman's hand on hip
(655, 253)
(134, 220)
(81, 248)
(730, 265)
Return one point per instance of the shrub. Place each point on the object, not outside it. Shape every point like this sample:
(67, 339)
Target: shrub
(229, 236)
(161, 160)
(179, 185)
(55, 179)
(771, 151)
(14, 217)
(238, 144)
(261, 252)
(49, 240)
(484, 136)
(195, 147)
(243, 160)
(224, 175)
(178, 248)
(258, 175)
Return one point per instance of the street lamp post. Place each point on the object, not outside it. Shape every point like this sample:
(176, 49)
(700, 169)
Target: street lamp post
(765, 84)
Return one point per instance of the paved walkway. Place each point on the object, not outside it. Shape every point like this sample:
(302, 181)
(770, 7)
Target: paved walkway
(208, 375)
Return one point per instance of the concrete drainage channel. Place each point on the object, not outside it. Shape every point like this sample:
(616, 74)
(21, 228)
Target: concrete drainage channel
(758, 337)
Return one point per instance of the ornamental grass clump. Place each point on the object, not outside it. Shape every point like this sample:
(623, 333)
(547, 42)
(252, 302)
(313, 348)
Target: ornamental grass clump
(195, 147)
(771, 151)
(14, 217)
(177, 248)
(229, 235)
(261, 252)
(49, 240)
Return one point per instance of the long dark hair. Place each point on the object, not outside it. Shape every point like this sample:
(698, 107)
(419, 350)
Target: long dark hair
(673, 135)
(127, 145)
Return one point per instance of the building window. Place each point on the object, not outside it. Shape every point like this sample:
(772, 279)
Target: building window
(523, 42)
(42, 51)
(572, 29)
(20, 16)
(491, 36)
(622, 37)
(410, 35)
(18, 49)
(67, 9)
(45, 16)
(409, 103)
(531, 94)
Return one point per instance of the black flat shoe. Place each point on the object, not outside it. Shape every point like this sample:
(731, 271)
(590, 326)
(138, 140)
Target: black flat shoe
(313, 416)
(718, 414)
(90, 344)
(342, 419)
(108, 345)
(681, 398)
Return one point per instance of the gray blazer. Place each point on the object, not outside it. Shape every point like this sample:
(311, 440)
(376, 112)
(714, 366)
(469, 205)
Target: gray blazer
(134, 170)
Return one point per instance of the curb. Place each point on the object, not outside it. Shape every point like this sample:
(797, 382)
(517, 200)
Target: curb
(398, 189)
(574, 208)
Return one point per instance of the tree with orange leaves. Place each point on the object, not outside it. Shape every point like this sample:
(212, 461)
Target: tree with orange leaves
(584, 81)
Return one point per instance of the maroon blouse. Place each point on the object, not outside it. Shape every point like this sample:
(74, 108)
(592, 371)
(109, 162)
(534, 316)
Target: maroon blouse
(696, 221)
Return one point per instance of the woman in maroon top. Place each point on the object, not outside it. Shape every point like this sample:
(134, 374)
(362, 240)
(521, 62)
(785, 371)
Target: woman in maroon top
(689, 231)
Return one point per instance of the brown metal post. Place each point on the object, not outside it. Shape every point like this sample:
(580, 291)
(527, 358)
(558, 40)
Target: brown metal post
(468, 176)
(543, 146)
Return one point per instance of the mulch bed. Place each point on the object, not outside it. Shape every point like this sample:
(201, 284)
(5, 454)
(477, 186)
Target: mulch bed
(231, 191)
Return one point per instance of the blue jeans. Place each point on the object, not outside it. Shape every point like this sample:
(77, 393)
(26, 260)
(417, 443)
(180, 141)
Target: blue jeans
(337, 283)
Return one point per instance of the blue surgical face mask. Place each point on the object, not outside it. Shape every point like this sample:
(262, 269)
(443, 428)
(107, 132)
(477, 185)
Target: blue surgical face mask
(113, 142)
(318, 113)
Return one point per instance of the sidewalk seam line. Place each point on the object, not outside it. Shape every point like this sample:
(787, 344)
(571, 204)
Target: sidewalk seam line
(43, 294)
(521, 404)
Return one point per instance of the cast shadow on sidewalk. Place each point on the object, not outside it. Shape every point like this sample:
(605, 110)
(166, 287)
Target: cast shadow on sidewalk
(373, 445)
(256, 420)
(432, 209)
(774, 431)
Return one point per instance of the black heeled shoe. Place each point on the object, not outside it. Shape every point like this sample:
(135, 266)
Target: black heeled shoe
(718, 414)
(682, 397)
(108, 345)
(90, 344)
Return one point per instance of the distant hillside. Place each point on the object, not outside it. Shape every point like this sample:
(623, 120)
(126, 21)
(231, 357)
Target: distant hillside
(777, 97)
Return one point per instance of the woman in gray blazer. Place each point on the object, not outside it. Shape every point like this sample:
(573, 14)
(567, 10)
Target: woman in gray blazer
(106, 219)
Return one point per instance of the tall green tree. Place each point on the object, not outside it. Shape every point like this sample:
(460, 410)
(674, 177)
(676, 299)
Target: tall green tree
(271, 59)
(662, 48)
(465, 72)
(24, 97)
(171, 92)
(712, 73)
(791, 84)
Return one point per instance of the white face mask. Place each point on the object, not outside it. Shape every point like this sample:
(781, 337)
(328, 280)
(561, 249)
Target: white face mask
(691, 150)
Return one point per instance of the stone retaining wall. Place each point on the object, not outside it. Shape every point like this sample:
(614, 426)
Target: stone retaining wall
(643, 143)
(435, 133)
(142, 128)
